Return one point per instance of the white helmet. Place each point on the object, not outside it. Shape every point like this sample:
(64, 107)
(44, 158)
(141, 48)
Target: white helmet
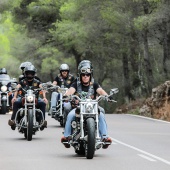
(64, 67)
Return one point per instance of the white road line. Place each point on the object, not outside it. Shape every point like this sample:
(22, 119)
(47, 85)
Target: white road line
(146, 157)
(149, 118)
(141, 151)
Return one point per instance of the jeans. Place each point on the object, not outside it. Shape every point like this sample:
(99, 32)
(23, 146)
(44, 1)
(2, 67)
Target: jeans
(18, 104)
(67, 107)
(54, 99)
(102, 123)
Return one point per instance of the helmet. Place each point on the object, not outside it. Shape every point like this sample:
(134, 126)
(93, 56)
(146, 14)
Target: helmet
(3, 71)
(29, 72)
(64, 67)
(85, 66)
(23, 65)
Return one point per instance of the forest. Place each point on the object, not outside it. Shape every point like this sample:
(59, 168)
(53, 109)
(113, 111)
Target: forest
(127, 41)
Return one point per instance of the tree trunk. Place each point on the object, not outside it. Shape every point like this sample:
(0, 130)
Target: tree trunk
(78, 56)
(134, 59)
(147, 62)
(148, 68)
(127, 85)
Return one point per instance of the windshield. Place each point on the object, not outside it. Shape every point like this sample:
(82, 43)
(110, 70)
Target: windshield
(4, 77)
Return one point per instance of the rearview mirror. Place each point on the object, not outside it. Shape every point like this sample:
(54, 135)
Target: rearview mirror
(114, 91)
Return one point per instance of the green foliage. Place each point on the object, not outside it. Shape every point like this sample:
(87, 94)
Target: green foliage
(68, 11)
(71, 34)
(49, 33)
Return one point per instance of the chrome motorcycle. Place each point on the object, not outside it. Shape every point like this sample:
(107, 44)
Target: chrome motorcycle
(5, 92)
(60, 114)
(28, 118)
(85, 137)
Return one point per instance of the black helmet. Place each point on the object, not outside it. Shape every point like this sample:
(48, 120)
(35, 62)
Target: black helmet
(3, 71)
(23, 65)
(64, 67)
(29, 72)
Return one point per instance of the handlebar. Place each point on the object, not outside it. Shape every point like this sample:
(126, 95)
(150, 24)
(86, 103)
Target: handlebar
(50, 86)
(104, 97)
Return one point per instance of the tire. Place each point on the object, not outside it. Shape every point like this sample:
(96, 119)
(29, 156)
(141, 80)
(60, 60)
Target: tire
(90, 145)
(61, 122)
(30, 125)
(64, 117)
(3, 108)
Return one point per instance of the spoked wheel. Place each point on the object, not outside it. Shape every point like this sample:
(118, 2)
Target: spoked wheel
(90, 145)
(30, 125)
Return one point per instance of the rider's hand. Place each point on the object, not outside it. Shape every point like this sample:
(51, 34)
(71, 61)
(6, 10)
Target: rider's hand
(13, 99)
(45, 100)
(65, 96)
(109, 99)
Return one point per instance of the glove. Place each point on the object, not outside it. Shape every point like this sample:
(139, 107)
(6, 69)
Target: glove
(65, 97)
(109, 99)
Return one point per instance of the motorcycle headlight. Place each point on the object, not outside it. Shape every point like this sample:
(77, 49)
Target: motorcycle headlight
(30, 99)
(89, 107)
(3, 88)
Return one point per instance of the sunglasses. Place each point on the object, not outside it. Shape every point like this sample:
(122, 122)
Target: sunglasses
(87, 75)
(29, 72)
(64, 70)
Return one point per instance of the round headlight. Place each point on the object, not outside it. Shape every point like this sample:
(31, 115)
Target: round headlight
(30, 99)
(3, 88)
(89, 107)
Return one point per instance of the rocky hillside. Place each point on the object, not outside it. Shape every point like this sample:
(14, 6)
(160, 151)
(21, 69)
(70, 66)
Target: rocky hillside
(157, 106)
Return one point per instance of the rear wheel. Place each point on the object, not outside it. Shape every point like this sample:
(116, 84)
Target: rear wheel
(30, 125)
(90, 145)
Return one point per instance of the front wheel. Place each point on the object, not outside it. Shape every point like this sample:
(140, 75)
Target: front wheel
(90, 145)
(4, 108)
(30, 125)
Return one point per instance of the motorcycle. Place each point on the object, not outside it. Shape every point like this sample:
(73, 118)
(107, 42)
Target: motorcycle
(85, 137)
(28, 118)
(5, 92)
(60, 114)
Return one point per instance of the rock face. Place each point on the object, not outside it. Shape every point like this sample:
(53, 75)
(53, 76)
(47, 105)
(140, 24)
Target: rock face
(158, 105)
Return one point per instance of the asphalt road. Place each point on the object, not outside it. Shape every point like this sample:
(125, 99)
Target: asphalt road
(138, 144)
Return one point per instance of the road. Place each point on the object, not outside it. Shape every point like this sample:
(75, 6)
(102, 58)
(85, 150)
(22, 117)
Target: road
(138, 144)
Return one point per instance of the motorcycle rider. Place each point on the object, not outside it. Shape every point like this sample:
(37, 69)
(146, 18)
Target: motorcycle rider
(22, 67)
(4, 74)
(28, 82)
(64, 79)
(85, 82)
